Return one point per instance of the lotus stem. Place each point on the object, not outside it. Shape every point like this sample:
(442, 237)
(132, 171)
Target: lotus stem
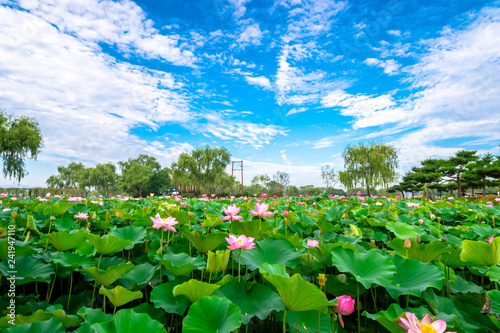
(284, 322)
(239, 265)
(358, 307)
(70, 287)
(319, 322)
(53, 283)
(95, 283)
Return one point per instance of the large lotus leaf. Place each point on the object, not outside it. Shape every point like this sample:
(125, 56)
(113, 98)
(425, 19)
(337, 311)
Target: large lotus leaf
(403, 230)
(340, 285)
(194, 289)
(272, 269)
(452, 259)
(79, 208)
(181, 263)
(48, 326)
(462, 286)
(212, 315)
(27, 270)
(494, 296)
(139, 277)
(22, 248)
(65, 224)
(163, 297)
(413, 277)
(43, 315)
(485, 231)
(494, 273)
(306, 220)
(307, 321)
(390, 318)
(93, 316)
(420, 251)
(110, 275)
(248, 228)
(459, 312)
(368, 268)
(207, 242)
(108, 244)
(479, 253)
(333, 213)
(272, 251)
(59, 208)
(134, 234)
(71, 259)
(119, 296)
(297, 294)
(258, 301)
(154, 313)
(128, 321)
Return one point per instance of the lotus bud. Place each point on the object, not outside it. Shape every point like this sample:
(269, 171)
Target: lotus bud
(342, 278)
(418, 239)
(296, 327)
(407, 243)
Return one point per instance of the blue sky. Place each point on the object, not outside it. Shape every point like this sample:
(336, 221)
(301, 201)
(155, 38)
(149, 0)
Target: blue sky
(283, 85)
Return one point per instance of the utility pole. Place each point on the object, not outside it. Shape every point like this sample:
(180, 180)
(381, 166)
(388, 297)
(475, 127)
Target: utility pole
(237, 166)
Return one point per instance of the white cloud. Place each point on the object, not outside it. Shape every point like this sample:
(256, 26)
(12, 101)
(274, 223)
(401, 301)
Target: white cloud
(261, 81)
(239, 7)
(119, 23)
(396, 33)
(297, 110)
(284, 157)
(251, 35)
(390, 66)
(85, 101)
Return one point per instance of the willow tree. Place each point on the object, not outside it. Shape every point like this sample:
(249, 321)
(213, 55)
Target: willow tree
(369, 166)
(20, 138)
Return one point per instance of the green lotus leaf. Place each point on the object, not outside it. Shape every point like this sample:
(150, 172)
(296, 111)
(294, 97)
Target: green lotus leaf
(272, 251)
(452, 259)
(71, 259)
(307, 321)
(43, 315)
(51, 325)
(93, 316)
(424, 252)
(28, 270)
(462, 286)
(212, 315)
(217, 261)
(110, 275)
(128, 321)
(59, 208)
(180, 264)
(370, 268)
(108, 244)
(485, 231)
(333, 214)
(297, 294)
(134, 234)
(207, 242)
(479, 253)
(273, 269)
(403, 230)
(390, 318)
(162, 296)
(494, 273)
(194, 289)
(494, 296)
(339, 285)
(119, 296)
(258, 301)
(413, 277)
(154, 313)
(22, 248)
(248, 228)
(138, 277)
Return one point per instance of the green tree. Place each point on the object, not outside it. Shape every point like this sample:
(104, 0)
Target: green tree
(455, 166)
(203, 168)
(329, 176)
(369, 166)
(260, 182)
(483, 173)
(160, 182)
(283, 180)
(137, 173)
(73, 176)
(20, 138)
(104, 178)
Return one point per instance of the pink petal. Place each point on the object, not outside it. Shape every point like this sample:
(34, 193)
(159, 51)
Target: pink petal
(426, 320)
(225, 218)
(237, 217)
(439, 326)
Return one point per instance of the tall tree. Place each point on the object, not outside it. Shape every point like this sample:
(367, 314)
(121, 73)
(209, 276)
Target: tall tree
(104, 178)
(260, 182)
(455, 166)
(283, 180)
(137, 173)
(73, 176)
(203, 167)
(20, 138)
(369, 166)
(483, 172)
(329, 176)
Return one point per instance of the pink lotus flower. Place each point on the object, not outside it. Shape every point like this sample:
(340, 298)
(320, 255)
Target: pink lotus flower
(312, 243)
(490, 239)
(378, 204)
(243, 242)
(183, 204)
(286, 213)
(263, 195)
(413, 325)
(81, 216)
(345, 307)
(231, 212)
(212, 195)
(358, 193)
(166, 224)
(47, 195)
(3, 195)
(361, 199)
(261, 210)
(203, 195)
(275, 196)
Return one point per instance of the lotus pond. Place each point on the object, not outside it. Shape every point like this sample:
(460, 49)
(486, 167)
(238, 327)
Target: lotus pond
(319, 264)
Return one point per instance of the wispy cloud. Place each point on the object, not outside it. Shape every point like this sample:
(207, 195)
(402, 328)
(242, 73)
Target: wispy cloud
(297, 110)
(389, 66)
(259, 81)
